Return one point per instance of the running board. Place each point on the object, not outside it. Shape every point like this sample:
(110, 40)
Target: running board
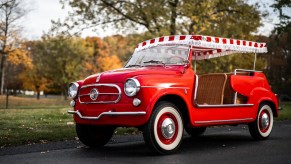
(223, 121)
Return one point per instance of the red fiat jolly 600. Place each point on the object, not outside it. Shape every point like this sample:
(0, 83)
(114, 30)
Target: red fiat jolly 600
(158, 92)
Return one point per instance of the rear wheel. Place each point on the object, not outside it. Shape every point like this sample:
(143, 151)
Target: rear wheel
(262, 127)
(194, 132)
(94, 136)
(163, 133)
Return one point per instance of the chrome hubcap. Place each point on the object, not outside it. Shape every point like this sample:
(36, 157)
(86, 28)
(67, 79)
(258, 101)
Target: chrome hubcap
(265, 121)
(168, 128)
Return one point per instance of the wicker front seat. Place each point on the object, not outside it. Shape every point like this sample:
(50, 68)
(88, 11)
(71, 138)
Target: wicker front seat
(210, 89)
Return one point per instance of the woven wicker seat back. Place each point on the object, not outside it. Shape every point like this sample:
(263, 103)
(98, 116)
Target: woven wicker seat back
(211, 89)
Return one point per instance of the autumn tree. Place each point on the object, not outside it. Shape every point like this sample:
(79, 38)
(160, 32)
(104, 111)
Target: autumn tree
(11, 11)
(18, 61)
(284, 18)
(224, 18)
(279, 47)
(60, 60)
(32, 76)
(101, 56)
(121, 46)
(166, 17)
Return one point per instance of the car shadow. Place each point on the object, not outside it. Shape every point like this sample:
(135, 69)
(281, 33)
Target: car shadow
(203, 144)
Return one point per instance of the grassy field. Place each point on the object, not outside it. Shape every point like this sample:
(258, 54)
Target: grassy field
(29, 121)
(285, 114)
(27, 126)
(32, 103)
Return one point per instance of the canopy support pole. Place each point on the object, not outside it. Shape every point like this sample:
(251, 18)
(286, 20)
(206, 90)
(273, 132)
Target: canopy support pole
(255, 61)
(195, 62)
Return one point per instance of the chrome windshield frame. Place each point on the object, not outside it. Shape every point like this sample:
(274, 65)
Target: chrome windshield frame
(184, 47)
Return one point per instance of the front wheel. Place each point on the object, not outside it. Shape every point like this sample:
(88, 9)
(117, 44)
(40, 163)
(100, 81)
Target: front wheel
(94, 136)
(163, 133)
(262, 127)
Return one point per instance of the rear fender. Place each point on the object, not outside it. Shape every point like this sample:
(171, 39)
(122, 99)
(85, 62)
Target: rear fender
(259, 95)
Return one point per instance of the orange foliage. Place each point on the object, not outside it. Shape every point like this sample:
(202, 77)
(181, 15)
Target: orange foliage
(97, 56)
(102, 59)
(121, 46)
(20, 56)
(109, 62)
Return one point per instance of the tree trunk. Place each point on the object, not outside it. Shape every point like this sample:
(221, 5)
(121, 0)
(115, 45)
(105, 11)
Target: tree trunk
(7, 96)
(64, 91)
(2, 73)
(65, 94)
(38, 94)
(173, 5)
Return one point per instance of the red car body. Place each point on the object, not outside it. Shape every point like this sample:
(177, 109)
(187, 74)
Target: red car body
(177, 84)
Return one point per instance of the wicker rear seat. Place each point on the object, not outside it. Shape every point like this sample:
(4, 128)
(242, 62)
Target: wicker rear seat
(210, 89)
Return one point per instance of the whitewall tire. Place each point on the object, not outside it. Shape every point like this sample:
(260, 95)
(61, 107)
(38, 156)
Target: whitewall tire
(262, 127)
(163, 133)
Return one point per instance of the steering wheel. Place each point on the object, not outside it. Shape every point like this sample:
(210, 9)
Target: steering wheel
(173, 57)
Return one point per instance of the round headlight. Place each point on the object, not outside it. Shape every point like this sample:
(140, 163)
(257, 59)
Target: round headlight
(131, 87)
(73, 90)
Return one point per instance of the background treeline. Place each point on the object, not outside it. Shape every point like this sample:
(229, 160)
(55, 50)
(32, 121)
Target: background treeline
(51, 63)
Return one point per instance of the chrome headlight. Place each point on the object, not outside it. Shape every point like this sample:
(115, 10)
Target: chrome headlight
(73, 90)
(131, 87)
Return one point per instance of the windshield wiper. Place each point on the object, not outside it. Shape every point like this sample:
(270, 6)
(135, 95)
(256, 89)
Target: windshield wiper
(154, 61)
(133, 65)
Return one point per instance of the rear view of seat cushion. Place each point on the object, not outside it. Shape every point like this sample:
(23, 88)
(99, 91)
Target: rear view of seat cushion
(211, 89)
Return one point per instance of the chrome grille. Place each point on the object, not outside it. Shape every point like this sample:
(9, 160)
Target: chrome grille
(108, 93)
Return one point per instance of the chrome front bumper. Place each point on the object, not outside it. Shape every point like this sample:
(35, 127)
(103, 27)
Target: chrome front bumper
(110, 113)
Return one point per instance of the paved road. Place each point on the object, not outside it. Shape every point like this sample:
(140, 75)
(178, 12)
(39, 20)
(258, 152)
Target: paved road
(219, 145)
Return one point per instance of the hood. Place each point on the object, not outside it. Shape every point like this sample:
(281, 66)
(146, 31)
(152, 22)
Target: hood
(120, 75)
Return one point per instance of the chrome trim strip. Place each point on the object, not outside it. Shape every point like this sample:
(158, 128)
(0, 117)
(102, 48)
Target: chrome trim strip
(100, 102)
(219, 121)
(235, 97)
(100, 94)
(106, 114)
(224, 105)
(165, 87)
(196, 87)
(244, 70)
(106, 85)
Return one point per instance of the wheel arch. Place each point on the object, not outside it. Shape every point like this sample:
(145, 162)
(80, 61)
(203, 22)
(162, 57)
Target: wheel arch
(261, 95)
(180, 103)
(272, 105)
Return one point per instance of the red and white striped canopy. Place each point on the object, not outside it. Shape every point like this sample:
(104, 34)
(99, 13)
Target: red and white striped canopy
(206, 47)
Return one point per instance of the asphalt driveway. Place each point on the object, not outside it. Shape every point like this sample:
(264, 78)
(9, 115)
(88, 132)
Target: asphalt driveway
(219, 145)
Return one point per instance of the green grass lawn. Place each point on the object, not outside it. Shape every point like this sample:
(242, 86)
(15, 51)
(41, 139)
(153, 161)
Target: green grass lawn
(15, 102)
(19, 126)
(285, 114)
(29, 121)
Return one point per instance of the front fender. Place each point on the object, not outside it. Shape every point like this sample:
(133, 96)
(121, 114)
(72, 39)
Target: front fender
(182, 92)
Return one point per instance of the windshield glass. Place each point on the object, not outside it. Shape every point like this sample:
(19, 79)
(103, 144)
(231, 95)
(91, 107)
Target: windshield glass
(166, 55)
